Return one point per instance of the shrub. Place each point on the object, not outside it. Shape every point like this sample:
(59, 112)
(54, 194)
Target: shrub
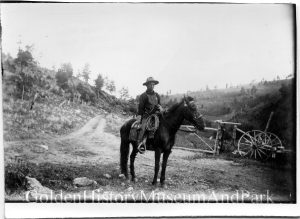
(283, 120)
(87, 94)
(15, 173)
(63, 74)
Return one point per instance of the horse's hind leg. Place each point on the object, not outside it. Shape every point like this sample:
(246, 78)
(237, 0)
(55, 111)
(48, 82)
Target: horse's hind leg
(132, 158)
(164, 166)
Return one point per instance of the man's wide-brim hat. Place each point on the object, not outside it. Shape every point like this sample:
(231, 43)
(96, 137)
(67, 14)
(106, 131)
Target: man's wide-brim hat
(149, 80)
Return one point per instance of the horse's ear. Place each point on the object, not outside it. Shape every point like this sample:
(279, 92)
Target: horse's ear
(184, 100)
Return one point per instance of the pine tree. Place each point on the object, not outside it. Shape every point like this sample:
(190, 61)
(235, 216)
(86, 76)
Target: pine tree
(124, 94)
(86, 72)
(63, 75)
(110, 86)
(99, 82)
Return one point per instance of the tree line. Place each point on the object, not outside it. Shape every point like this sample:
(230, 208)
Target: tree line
(25, 78)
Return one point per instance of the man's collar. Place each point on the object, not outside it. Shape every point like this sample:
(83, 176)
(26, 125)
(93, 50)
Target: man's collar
(150, 92)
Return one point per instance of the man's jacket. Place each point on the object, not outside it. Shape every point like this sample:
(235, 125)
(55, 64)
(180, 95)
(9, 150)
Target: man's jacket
(147, 102)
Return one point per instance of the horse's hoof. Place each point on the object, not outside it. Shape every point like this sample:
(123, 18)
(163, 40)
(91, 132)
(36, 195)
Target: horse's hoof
(154, 183)
(134, 180)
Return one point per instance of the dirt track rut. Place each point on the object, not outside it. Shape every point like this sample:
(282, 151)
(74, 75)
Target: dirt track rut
(97, 151)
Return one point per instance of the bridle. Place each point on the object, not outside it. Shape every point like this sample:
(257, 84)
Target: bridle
(191, 105)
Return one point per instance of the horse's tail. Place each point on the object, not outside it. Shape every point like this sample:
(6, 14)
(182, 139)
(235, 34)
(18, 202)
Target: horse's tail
(124, 147)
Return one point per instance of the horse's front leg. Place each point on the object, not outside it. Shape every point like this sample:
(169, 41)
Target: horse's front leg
(132, 158)
(163, 168)
(156, 169)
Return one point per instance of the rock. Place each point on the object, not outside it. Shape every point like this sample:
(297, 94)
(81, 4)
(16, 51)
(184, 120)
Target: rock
(107, 176)
(43, 146)
(99, 190)
(123, 184)
(129, 189)
(78, 111)
(204, 187)
(236, 164)
(122, 176)
(83, 181)
(35, 185)
(146, 181)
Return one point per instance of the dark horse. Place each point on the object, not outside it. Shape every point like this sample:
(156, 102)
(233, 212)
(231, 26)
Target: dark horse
(164, 137)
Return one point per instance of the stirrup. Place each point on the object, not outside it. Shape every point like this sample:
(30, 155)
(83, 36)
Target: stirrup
(142, 146)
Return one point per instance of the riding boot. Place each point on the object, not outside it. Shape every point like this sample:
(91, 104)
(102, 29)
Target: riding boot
(142, 130)
(142, 146)
(141, 140)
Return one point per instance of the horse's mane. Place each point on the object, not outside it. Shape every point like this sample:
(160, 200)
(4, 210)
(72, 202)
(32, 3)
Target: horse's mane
(176, 105)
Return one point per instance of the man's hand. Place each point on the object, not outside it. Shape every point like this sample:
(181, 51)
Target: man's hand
(139, 118)
(160, 108)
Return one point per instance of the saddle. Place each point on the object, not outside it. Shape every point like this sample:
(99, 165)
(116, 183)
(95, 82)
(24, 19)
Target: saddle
(134, 131)
(152, 124)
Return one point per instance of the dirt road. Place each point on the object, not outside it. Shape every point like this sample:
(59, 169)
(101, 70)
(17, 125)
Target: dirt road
(93, 151)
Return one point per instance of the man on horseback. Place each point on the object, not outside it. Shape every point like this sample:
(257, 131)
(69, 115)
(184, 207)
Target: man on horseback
(164, 138)
(149, 104)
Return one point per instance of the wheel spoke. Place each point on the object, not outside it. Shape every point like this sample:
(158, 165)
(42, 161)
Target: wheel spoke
(251, 154)
(248, 141)
(259, 153)
(266, 147)
(248, 151)
(246, 144)
(262, 152)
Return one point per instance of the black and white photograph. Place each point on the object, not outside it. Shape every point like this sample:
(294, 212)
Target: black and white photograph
(140, 102)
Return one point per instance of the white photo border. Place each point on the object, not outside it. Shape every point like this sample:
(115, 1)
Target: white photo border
(87, 210)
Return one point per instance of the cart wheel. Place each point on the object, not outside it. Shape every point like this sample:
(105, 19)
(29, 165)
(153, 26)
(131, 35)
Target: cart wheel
(275, 143)
(254, 144)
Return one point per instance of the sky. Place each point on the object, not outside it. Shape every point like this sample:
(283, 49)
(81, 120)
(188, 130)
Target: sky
(184, 46)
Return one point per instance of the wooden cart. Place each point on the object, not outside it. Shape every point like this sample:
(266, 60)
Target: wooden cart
(255, 144)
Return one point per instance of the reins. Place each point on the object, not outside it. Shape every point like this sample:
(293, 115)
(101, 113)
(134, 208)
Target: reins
(165, 122)
(152, 122)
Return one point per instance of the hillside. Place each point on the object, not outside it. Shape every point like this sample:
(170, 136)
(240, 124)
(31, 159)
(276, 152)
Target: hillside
(58, 129)
(59, 101)
(218, 102)
(251, 105)
(37, 103)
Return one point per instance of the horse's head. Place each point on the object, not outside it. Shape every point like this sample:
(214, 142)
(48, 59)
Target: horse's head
(191, 113)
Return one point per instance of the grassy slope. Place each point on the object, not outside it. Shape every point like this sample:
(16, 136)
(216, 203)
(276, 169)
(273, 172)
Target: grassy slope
(46, 118)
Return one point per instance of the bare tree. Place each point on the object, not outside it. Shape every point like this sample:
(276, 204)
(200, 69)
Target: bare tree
(124, 94)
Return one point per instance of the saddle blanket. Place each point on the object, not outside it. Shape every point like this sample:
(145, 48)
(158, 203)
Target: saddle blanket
(134, 131)
(151, 127)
